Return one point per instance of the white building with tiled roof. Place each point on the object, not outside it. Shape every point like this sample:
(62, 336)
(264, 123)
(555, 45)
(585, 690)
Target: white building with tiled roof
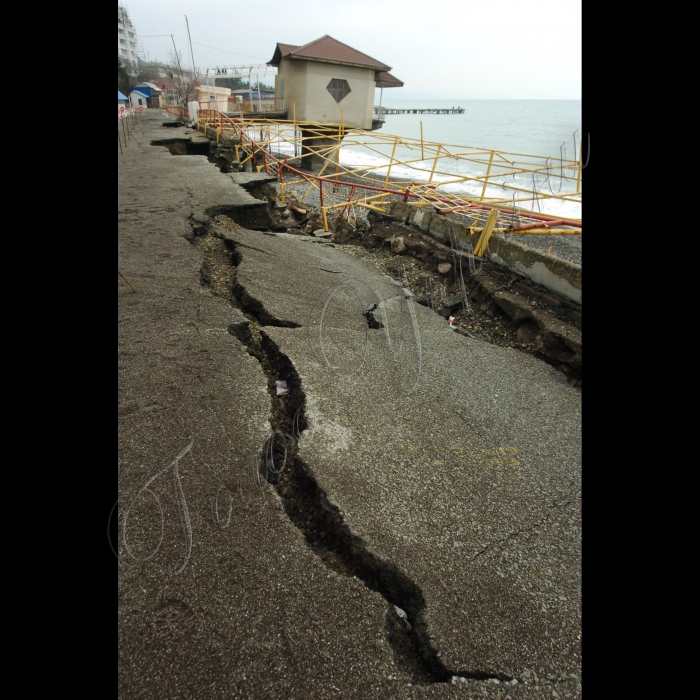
(326, 81)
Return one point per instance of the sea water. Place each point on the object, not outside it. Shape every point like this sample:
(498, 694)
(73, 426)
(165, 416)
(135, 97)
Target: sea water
(543, 128)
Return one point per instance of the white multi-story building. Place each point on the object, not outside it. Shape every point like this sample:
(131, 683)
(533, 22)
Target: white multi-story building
(128, 41)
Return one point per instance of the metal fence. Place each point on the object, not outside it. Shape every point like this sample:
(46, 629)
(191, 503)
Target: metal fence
(487, 189)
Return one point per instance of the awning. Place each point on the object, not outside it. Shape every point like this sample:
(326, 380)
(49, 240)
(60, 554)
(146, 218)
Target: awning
(382, 79)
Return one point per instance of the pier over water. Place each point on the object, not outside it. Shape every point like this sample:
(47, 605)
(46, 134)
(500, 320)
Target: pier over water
(433, 110)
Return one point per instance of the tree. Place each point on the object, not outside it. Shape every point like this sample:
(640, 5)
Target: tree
(232, 83)
(183, 80)
(125, 81)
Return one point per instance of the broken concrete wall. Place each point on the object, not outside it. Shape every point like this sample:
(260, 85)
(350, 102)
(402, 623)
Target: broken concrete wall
(554, 273)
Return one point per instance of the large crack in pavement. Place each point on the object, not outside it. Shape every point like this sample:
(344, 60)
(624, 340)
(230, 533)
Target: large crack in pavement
(305, 502)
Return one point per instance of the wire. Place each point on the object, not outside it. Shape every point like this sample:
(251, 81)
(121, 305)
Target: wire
(231, 52)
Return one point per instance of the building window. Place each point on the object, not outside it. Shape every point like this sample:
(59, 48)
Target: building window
(339, 88)
(131, 35)
(122, 41)
(125, 52)
(121, 31)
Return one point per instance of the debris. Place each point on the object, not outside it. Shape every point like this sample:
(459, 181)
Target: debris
(451, 320)
(397, 245)
(444, 268)
(282, 388)
(452, 301)
(402, 614)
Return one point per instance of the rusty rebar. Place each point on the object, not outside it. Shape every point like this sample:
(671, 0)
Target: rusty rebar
(126, 280)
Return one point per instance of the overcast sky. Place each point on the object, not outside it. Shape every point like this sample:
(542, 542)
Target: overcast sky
(461, 49)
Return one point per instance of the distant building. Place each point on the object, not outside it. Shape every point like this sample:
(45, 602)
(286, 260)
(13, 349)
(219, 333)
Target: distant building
(169, 94)
(139, 98)
(128, 46)
(151, 96)
(327, 81)
(152, 92)
(210, 97)
(122, 99)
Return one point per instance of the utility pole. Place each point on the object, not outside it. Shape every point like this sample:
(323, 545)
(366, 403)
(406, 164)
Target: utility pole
(194, 68)
(182, 79)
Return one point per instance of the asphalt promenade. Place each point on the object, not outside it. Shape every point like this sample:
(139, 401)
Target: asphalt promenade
(400, 519)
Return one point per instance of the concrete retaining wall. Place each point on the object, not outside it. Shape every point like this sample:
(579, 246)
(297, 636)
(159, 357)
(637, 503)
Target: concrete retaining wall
(554, 273)
(557, 274)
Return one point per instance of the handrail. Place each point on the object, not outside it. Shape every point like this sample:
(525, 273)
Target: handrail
(500, 168)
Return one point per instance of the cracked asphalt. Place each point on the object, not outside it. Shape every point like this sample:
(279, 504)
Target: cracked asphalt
(455, 460)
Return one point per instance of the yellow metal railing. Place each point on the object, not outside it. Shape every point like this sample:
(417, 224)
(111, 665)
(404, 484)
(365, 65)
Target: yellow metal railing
(466, 182)
(178, 111)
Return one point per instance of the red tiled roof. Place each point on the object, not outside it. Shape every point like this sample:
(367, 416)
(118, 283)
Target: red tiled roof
(281, 51)
(387, 80)
(287, 48)
(327, 50)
